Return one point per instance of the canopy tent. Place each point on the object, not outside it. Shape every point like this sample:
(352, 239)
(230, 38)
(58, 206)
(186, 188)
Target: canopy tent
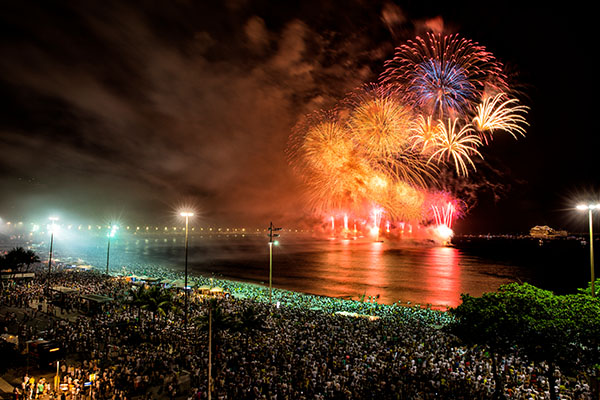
(180, 283)
(204, 289)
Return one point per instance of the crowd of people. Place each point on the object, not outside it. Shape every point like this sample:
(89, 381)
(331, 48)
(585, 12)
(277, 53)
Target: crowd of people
(301, 348)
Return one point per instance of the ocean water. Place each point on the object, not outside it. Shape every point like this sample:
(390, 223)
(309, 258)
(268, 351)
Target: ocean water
(395, 271)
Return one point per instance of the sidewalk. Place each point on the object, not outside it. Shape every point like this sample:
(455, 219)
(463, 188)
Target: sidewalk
(5, 388)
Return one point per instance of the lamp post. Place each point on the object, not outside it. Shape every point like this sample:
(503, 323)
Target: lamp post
(187, 216)
(590, 208)
(271, 236)
(209, 350)
(52, 227)
(113, 231)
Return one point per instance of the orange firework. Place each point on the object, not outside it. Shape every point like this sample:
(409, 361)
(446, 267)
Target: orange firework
(404, 202)
(424, 133)
(500, 113)
(380, 124)
(456, 144)
(327, 146)
(335, 172)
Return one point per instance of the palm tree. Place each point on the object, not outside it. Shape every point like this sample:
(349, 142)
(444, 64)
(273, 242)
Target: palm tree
(157, 301)
(250, 322)
(221, 321)
(30, 258)
(138, 298)
(18, 257)
(214, 320)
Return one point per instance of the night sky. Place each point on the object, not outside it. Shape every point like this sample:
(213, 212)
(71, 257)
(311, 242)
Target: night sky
(114, 109)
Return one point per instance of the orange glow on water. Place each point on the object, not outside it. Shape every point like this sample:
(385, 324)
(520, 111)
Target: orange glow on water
(443, 276)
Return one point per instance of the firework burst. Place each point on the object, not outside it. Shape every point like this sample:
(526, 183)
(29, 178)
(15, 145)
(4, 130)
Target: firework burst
(380, 124)
(384, 146)
(500, 113)
(445, 76)
(424, 133)
(456, 143)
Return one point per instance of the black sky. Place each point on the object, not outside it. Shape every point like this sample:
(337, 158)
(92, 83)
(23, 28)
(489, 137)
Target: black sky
(109, 108)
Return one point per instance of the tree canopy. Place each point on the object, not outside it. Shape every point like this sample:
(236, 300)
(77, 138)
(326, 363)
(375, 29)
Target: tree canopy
(561, 330)
(18, 258)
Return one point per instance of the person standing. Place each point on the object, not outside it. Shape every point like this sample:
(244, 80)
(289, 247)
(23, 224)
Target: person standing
(17, 393)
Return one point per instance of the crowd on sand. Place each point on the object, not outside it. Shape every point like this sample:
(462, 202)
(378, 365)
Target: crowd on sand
(303, 346)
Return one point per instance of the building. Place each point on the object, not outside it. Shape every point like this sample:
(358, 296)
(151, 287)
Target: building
(545, 232)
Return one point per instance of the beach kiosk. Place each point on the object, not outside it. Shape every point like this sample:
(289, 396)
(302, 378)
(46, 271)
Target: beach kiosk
(92, 303)
(59, 294)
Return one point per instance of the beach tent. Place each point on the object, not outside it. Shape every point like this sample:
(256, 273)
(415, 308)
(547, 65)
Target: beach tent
(204, 289)
(180, 283)
(177, 283)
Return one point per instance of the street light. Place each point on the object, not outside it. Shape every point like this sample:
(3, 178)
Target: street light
(590, 208)
(52, 227)
(187, 216)
(112, 233)
(271, 236)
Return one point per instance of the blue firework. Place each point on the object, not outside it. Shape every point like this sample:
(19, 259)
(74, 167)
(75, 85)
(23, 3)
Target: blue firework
(445, 76)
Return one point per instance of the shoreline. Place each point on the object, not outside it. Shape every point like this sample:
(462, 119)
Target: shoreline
(236, 287)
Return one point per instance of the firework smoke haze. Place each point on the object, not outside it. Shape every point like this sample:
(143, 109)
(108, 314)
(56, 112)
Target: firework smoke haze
(138, 108)
(129, 109)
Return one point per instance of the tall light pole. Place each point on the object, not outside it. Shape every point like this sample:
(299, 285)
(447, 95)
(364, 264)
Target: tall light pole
(209, 350)
(590, 208)
(112, 233)
(52, 228)
(271, 242)
(187, 216)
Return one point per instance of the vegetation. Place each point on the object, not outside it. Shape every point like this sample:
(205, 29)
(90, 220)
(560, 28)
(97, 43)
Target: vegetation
(560, 330)
(247, 323)
(157, 300)
(19, 260)
(588, 289)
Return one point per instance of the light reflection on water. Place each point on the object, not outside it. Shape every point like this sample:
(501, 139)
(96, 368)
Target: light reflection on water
(444, 275)
(338, 268)
(425, 275)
